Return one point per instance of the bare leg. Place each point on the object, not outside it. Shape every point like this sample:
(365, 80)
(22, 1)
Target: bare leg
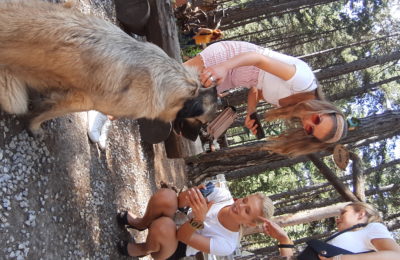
(161, 242)
(163, 203)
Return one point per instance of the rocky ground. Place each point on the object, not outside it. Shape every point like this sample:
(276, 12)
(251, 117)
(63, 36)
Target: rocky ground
(59, 194)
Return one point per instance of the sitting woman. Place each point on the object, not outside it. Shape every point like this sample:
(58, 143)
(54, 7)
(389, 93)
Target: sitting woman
(213, 228)
(281, 80)
(372, 241)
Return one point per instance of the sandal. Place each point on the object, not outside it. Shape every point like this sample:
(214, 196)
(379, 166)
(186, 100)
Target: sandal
(122, 247)
(122, 219)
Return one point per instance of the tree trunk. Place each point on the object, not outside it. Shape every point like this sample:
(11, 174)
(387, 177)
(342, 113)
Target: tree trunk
(339, 48)
(287, 40)
(353, 92)
(246, 35)
(309, 191)
(161, 28)
(257, 10)
(305, 196)
(251, 159)
(358, 177)
(318, 204)
(333, 179)
(356, 65)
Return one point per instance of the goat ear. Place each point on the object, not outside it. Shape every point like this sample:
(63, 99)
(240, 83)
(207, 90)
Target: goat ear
(191, 108)
(189, 129)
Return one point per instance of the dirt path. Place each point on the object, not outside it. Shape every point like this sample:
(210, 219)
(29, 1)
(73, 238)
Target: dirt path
(59, 195)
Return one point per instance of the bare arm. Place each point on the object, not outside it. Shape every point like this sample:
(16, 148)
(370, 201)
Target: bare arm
(253, 97)
(195, 62)
(273, 230)
(186, 233)
(387, 248)
(280, 69)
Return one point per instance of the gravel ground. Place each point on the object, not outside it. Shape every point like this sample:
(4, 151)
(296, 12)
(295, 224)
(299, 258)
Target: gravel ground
(59, 195)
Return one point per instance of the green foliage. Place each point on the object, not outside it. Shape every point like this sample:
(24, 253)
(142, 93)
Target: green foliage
(190, 52)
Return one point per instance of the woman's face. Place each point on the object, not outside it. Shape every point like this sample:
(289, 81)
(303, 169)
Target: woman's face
(247, 210)
(318, 125)
(349, 217)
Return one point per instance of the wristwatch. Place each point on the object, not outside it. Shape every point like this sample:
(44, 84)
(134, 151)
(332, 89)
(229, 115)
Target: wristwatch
(196, 224)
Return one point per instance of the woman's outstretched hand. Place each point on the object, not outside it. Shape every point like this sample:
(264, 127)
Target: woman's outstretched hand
(273, 230)
(198, 203)
(213, 76)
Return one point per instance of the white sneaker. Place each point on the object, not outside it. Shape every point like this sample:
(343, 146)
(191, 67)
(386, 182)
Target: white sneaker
(96, 120)
(104, 134)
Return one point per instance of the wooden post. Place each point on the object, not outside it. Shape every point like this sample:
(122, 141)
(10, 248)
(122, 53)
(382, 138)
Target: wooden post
(133, 15)
(161, 30)
(301, 217)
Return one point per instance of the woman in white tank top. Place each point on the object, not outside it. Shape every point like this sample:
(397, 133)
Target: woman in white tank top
(371, 241)
(284, 81)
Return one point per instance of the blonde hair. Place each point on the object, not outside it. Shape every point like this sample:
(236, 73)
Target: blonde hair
(267, 205)
(371, 213)
(295, 141)
(268, 209)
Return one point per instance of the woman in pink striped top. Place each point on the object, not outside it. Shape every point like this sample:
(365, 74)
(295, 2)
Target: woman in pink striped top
(284, 81)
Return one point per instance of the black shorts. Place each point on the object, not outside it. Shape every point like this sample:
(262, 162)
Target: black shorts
(179, 252)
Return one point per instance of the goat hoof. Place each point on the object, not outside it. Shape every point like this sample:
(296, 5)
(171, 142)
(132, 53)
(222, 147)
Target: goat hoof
(36, 133)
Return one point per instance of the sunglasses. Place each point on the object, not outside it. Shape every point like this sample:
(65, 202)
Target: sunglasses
(316, 120)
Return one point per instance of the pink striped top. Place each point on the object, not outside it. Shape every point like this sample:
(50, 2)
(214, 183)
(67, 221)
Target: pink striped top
(246, 76)
(273, 87)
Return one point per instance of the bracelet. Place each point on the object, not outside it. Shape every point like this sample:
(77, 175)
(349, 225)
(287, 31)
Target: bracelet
(196, 224)
(337, 257)
(286, 246)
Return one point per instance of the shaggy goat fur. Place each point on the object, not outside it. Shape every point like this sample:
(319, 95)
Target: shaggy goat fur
(81, 62)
